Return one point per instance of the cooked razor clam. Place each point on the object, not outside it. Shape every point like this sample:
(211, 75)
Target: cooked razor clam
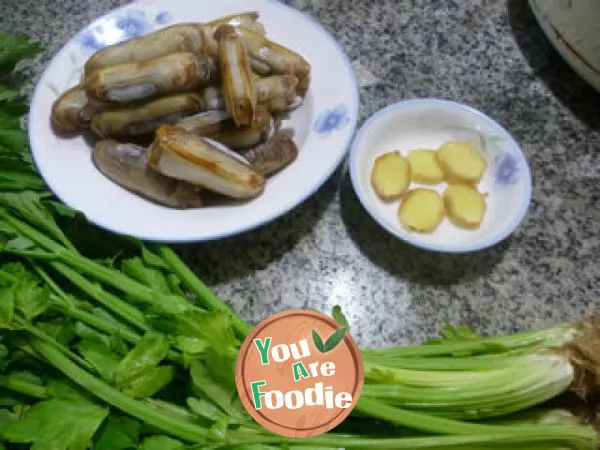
(213, 97)
(243, 138)
(127, 165)
(236, 75)
(205, 123)
(146, 79)
(279, 60)
(214, 72)
(144, 118)
(260, 68)
(219, 126)
(273, 155)
(240, 139)
(247, 20)
(74, 109)
(194, 159)
(277, 93)
(186, 37)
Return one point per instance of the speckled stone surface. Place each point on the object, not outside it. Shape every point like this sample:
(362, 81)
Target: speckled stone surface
(487, 53)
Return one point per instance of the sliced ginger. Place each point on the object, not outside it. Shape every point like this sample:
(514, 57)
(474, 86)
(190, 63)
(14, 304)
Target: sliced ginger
(465, 206)
(390, 177)
(424, 167)
(421, 210)
(462, 162)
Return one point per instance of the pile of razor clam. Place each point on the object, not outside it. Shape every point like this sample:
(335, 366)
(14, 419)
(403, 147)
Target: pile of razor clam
(189, 112)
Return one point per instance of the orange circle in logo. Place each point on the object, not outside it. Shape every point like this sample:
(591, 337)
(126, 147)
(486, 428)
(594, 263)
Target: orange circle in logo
(299, 373)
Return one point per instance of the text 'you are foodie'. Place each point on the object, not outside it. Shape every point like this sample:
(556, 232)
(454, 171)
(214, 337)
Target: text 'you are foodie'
(299, 373)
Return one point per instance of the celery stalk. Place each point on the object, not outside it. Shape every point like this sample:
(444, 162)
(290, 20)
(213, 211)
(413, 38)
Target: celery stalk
(194, 284)
(547, 437)
(528, 341)
(114, 397)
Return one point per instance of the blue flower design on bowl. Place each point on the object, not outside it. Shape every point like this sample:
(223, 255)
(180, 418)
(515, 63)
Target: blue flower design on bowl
(119, 27)
(506, 169)
(332, 120)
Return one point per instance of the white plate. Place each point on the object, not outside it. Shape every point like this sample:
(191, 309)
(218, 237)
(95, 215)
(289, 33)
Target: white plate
(323, 126)
(573, 27)
(428, 123)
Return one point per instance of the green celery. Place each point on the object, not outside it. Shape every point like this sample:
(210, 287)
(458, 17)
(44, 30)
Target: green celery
(15, 48)
(445, 363)
(57, 424)
(573, 437)
(108, 300)
(416, 420)
(119, 433)
(204, 294)
(115, 398)
(532, 340)
(62, 302)
(22, 386)
(175, 411)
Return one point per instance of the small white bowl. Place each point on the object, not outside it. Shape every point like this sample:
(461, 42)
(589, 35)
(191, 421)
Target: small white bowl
(428, 123)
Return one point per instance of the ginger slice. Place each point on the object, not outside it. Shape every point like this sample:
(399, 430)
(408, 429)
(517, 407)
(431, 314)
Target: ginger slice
(390, 176)
(462, 162)
(424, 167)
(421, 210)
(465, 206)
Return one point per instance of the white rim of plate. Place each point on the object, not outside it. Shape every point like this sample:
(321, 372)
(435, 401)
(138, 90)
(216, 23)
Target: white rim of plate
(353, 106)
(403, 104)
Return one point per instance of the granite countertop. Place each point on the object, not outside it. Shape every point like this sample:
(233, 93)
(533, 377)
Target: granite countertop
(487, 53)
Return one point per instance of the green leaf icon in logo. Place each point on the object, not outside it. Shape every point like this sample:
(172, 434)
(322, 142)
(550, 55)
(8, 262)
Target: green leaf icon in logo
(331, 343)
(318, 341)
(339, 317)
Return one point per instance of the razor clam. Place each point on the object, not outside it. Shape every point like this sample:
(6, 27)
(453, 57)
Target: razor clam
(240, 139)
(213, 97)
(219, 126)
(236, 75)
(205, 123)
(127, 165)
(246, 19)
(214, 78)
(273, 155)
(260, 68)
(145, 79)
(144, 118)
(74, 109)
(277, 93)
(194, 159)
(186, 37)
(279, 60)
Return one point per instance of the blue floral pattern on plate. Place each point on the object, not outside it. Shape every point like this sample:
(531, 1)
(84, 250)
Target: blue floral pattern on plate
(91, 39)
(506, 169)
(133, 24)
(163, 18)
(121, 26)
(332, 120)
